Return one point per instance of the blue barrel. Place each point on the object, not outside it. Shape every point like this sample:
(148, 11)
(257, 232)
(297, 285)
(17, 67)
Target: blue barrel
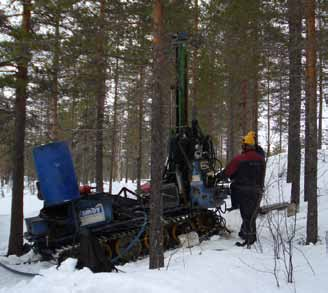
(55, 170)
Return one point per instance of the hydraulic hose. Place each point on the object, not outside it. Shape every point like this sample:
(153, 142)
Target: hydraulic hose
(26, 274)
(134, 240)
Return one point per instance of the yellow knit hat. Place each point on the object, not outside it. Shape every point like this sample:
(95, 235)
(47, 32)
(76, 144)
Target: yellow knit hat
(249, 138)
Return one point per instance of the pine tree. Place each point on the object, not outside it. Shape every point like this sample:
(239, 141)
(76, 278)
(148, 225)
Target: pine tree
(295, 88)
(100, 94)
(156, 256)
(114, 140)
(310, 173)
(241, 57)
(23, 58)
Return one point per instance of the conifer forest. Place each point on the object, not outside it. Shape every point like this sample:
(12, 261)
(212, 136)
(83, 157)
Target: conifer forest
(101, 75)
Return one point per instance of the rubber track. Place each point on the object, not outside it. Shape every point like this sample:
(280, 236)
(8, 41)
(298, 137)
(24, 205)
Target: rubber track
(219, 225)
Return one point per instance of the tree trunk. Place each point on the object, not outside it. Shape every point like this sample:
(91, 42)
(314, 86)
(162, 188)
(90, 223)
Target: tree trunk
(101, 95)
(126, 167)
(255, 51)
(113, 164)
(255, 104)
(268, 118)
(310, 178)
(194, 63)
(321, 73)
(295, 88)
(156, 254)
(234, 129)
(140, 126)
(16, 225)
(118, 151)
(242, 66)
(53, 113)
(245, 121)
(280, 115)
(320, 100)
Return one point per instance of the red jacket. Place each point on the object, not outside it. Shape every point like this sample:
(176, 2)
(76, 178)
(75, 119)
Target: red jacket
(247, 168)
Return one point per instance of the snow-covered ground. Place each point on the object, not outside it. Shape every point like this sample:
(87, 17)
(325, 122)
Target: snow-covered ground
(213, 266)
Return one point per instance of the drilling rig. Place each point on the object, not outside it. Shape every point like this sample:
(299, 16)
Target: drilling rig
(193, 198)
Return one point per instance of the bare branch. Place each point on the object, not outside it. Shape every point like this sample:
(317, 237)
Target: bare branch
(12, 15)
(7, 63)
(7, 111)
(306, 259)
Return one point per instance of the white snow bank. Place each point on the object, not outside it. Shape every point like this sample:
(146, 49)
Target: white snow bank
(276, 188)
(208, 268)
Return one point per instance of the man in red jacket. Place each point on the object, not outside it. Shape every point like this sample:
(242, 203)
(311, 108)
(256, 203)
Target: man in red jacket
(247, 172)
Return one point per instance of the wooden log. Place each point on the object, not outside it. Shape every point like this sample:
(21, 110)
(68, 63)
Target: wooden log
(272, 207)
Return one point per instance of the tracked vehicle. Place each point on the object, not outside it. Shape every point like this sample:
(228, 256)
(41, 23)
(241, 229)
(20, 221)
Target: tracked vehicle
(193, 198)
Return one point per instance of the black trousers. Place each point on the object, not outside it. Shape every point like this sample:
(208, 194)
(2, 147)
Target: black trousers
(249, 198)
(235, 193)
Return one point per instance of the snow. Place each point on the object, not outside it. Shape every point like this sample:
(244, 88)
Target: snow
(215, 265)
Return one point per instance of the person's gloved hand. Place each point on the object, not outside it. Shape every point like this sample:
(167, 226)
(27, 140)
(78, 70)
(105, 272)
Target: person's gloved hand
(221, 176)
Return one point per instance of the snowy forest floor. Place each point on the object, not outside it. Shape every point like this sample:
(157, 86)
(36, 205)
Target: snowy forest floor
(215, 265)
